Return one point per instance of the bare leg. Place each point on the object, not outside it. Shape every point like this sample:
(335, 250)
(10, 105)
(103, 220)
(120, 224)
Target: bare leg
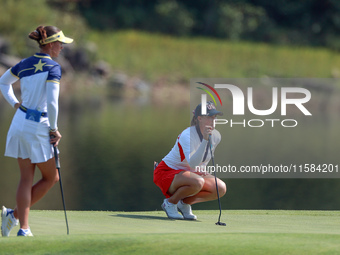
(50, 176)
(28, 195)
(208, 192)
(193, 188)
(185, 184)
(23, 196)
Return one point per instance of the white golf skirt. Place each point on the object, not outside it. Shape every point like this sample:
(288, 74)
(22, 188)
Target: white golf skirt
(29, 139)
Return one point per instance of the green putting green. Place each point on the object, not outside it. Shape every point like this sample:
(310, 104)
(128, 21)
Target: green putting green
(247, 232)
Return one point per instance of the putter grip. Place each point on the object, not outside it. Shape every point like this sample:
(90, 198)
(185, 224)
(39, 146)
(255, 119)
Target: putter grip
(56, 156)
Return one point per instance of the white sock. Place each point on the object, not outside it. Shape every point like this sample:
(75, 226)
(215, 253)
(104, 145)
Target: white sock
(169, 203)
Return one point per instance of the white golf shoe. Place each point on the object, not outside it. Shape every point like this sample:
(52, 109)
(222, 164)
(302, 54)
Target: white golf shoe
(186, 211)
(8, 221)
(24, 232)
(171, 210)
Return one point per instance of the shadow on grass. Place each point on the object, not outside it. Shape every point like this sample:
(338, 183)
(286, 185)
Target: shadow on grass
(141, 217)
(146, 217)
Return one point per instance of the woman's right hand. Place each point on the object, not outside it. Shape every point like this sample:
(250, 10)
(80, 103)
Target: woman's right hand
(207, 132)
(16, 106)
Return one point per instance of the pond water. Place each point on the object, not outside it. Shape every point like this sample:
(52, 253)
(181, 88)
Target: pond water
(108, 148)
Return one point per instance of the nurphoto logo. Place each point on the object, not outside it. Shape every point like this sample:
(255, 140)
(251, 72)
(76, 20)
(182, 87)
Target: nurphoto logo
(239, 98)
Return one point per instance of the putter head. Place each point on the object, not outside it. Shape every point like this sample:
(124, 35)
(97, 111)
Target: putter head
(220, 223)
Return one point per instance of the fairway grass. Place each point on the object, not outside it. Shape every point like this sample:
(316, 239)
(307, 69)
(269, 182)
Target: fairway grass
(247, 232)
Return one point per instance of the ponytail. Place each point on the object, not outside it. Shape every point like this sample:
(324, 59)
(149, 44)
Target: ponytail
(39, 34)
(194, 121)
(42, 32)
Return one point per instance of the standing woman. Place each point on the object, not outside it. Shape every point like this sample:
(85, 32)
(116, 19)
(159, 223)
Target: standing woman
(34, 126)
(181, 176)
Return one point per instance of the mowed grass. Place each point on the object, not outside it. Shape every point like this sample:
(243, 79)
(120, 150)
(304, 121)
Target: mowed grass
(247, 232)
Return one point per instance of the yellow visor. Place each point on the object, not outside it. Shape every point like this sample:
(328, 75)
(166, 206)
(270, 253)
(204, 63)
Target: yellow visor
(60, 37)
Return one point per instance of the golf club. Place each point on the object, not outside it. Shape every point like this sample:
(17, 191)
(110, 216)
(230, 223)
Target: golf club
(218, 194)
(57, 162)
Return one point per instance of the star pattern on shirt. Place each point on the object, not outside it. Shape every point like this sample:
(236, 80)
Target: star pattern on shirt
(39, 66)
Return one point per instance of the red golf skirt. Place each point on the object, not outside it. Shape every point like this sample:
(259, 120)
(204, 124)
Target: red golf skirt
(163, 177)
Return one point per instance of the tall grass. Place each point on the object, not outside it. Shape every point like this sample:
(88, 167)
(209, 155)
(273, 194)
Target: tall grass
(154, 56)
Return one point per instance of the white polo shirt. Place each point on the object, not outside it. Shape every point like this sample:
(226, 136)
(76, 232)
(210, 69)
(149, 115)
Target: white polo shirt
(190, 151)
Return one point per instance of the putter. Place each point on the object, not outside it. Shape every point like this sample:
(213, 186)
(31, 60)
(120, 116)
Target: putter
(219, 223)
(57, 163)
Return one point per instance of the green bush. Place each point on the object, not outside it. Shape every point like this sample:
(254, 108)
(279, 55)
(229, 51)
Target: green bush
(172, 18)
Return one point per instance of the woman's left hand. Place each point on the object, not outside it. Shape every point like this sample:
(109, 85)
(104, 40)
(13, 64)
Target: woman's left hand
(55, 138)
